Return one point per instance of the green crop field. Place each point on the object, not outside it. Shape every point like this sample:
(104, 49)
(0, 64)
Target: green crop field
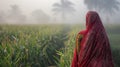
(46, 45)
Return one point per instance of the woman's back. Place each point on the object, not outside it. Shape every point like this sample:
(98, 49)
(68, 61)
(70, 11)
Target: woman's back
(94, 48)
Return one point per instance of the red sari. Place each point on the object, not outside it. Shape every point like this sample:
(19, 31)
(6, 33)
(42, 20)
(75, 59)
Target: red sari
(94, 49)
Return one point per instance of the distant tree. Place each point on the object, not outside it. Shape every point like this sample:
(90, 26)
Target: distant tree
(107, 7)
(40, 16)
(16, 15)
(64, 7)
(2, 17)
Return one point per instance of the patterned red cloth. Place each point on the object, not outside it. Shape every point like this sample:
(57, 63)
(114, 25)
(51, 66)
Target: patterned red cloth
(94, 47)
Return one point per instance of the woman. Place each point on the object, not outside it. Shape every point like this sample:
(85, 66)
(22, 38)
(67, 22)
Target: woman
(92, 45)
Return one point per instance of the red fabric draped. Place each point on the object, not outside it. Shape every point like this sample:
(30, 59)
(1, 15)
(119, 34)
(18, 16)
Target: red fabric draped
(94, 48)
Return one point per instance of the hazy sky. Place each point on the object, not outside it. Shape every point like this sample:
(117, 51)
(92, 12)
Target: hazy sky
(28, 6)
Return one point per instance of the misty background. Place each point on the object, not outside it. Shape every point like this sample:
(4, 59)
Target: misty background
(57, 11)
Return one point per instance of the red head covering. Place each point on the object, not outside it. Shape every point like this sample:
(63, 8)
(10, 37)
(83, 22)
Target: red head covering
(94, 48)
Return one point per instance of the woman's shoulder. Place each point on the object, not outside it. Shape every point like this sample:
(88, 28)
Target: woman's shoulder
(79, 36)
(82, 32)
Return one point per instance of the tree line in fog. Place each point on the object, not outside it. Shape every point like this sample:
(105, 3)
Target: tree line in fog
(64, 8)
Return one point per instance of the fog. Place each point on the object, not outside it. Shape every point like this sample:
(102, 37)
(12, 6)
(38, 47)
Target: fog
(56, 11)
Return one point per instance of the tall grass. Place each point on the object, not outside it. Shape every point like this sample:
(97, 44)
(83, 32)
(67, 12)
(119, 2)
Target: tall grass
(45, 45)
(66, 54)
(35, 46)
